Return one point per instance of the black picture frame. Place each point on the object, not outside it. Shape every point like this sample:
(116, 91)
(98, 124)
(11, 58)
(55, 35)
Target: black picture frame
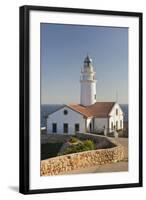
(25, 105)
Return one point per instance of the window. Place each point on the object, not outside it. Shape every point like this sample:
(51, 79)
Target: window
(90, 125)
(112, 125)
(65, 112)
(116, 111)
(65, 128)
(54, 128)
(116, 125)
(121, 123)
(77, 127)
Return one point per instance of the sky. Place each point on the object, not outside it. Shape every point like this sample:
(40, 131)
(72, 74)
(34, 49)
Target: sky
(63, 50)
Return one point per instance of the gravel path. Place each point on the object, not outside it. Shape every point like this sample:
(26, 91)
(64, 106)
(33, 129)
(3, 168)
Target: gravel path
(124, 143)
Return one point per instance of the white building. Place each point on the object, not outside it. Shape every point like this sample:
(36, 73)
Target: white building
(89, 115)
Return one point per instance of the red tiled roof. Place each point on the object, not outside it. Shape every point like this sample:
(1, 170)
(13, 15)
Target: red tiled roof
(99, 109)
(81, 109)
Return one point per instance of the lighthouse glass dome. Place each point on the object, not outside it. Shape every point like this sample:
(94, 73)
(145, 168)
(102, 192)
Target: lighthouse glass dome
(88, 64)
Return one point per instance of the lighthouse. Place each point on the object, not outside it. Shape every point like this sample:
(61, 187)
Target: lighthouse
(88, 116)
(88, 83)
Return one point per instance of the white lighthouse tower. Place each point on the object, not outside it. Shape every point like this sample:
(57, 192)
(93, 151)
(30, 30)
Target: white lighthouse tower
(88, 83)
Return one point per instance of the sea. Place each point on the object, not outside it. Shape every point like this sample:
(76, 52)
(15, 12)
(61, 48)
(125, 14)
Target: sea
(47, 109)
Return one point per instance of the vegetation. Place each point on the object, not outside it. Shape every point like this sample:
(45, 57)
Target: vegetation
(73, 140)
(50, 150)
(84, 146)
(89, 144)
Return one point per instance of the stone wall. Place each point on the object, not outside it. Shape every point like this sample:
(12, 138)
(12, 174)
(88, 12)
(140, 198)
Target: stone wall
(66, 163)
(100, 141)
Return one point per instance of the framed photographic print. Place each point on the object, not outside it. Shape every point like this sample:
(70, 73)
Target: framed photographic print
(80, 99)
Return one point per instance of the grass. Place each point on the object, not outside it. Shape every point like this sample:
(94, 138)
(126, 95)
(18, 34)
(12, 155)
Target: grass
(50, 150)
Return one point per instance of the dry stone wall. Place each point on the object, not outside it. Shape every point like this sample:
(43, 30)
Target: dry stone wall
(61, 164)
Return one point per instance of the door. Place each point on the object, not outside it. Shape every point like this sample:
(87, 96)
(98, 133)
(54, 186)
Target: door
(77, 128)
(54, 128)
(65, 128)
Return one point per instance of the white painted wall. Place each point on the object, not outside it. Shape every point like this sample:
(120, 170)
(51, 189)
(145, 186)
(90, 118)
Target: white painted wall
(88, 121)
(113, 117)
(88, 92)
(100, 123)
(71, 118)
(88, 75)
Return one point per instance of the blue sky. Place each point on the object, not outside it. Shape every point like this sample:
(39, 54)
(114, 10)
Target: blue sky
(63, 49)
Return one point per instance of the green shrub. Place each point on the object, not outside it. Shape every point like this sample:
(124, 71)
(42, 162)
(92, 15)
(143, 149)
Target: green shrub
(85, 146)
(73, 140)
(89, 144)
